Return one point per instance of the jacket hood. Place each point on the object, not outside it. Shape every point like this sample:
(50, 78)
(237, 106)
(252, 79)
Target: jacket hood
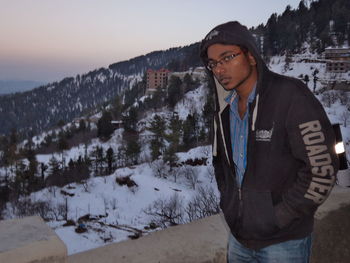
(232, 33)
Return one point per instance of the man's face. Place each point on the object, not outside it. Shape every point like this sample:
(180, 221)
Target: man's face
(230, 65)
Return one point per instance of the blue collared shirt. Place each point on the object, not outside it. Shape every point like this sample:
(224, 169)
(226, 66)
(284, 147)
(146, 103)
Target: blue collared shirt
(239, 133)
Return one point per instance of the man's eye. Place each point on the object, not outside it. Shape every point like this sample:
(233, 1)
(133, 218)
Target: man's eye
(227, 58)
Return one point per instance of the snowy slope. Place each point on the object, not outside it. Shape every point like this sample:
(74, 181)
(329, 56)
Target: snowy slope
(118, 211)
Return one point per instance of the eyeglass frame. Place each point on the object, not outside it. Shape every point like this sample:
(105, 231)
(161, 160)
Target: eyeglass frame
(223, 61)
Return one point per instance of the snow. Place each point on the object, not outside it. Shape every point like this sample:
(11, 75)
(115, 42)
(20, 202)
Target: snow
(118, 205)
(118, 209)
(50, 88)
(193, 102)
(115, 205)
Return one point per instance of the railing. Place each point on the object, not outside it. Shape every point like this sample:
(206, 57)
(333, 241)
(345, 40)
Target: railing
(30, 240)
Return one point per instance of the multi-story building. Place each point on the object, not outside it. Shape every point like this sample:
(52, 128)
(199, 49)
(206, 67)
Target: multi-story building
(337, 59)
(156, 79)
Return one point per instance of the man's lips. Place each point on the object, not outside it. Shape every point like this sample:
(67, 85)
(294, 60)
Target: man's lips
(224, 80)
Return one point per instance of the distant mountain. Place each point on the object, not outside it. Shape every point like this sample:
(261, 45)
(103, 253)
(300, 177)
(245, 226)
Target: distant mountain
(41, 108)
(13, 86)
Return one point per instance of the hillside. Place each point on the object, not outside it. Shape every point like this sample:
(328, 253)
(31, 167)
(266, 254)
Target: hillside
(34, 111)
(97, 182)
(123, 204)
(111, 211)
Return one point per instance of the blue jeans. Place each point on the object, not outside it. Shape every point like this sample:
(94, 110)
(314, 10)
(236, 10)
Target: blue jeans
(292, 251)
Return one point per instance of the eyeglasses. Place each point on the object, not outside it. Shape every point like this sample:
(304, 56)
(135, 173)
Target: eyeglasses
(212, 64)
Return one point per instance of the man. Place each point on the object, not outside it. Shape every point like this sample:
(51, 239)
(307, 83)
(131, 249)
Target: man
(273, 151)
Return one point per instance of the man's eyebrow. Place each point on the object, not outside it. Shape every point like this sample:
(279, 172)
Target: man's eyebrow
(224, 54)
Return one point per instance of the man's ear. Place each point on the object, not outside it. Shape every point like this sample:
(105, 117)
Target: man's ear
(251, 59)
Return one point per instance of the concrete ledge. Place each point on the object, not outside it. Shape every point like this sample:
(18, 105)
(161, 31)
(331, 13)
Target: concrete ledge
(29, 240)
(200, 241)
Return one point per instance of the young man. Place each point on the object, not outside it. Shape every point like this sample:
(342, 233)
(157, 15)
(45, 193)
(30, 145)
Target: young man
(273, 151)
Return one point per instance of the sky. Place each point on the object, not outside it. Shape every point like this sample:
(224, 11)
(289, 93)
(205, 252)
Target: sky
(47, 40)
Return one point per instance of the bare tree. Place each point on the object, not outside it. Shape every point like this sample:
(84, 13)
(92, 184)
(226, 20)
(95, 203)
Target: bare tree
(167, 212)
(86, 186)
(344, 117)
(26, 207)
(59, 212)
(204, 203)
(328, 98)
(160, 169)
(210, 173)
(191, 176)
(343, 97)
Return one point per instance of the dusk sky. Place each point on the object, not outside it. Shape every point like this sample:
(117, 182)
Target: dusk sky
(47, 40)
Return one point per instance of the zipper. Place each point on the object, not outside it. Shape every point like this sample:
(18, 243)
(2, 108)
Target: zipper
(240, 202)
(240, 208)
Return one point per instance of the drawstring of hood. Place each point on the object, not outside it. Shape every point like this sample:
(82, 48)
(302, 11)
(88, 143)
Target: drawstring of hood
(255, 112)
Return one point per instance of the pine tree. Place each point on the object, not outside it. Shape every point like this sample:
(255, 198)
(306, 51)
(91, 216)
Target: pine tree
(191, 131)
(62, 142)
(14, 137)
(157, 127)
(117, 108)
(110, 159)
(170, 156)
(98, 159)
(82, 125)
(158, 98)
(54, 166)
(208, 112)
(188, 83)
(55, 177)
(132, 151)
(104, 126)
(32, 168)
(175, 91)
(130, 120)
(175, 127)
(19, 184)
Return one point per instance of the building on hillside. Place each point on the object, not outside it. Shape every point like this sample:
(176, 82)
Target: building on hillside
(117, 124)
(156, 79)
(337, 59)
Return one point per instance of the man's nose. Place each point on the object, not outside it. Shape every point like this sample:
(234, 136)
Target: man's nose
(219, 68)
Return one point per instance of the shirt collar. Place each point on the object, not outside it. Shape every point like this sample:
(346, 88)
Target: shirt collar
(233, 95)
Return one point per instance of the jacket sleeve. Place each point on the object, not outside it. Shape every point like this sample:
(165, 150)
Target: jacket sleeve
(312, 144)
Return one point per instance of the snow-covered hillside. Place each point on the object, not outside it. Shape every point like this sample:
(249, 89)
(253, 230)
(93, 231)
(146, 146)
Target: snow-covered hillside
(117, 212)
(104, 211)
(110, 212)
